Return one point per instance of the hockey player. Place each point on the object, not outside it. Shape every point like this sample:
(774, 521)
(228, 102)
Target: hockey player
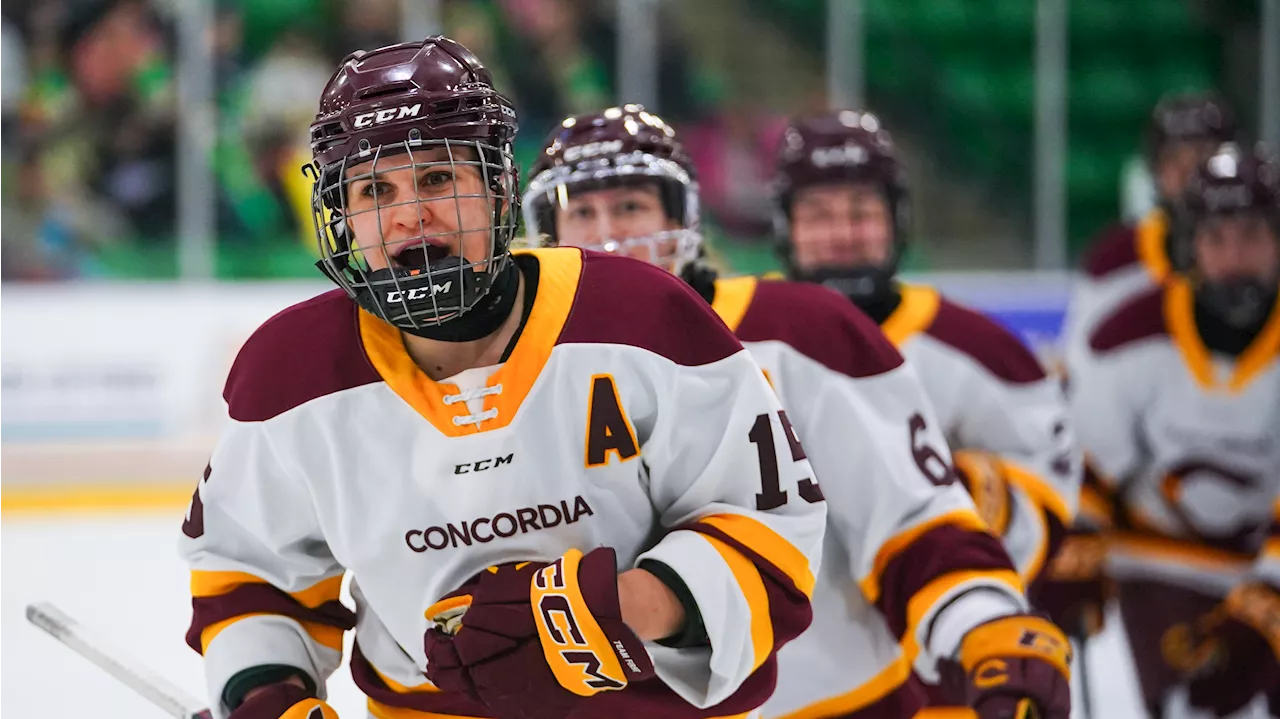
(1178, 405)
(484, 441)
(844, 219)
(1127, 260)
(910, 576)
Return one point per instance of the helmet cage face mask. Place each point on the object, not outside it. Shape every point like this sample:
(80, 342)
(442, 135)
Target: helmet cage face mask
(861, 282)
(670, 249)
(432, 287)
(1231, 184)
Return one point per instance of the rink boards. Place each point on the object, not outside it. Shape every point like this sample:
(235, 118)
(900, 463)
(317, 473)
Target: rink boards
(112, 391)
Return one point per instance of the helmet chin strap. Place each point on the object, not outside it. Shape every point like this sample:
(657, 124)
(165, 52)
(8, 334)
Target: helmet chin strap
(482, 320)
(867, 286)
(701, 277)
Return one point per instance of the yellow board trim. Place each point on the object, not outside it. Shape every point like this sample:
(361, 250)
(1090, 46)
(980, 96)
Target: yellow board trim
(966, 519)
(914, 314)
(768, 544)
(869, 692)
(83, 498)
(752, 586)
(1179, 313)
(733, 297)
(1149, 243)
(559, 270)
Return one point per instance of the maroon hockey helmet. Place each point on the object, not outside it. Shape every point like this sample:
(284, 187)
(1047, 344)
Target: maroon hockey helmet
(844, 146)
(1231, 182)
(1188, 117)
(613, 147)
(415, 105)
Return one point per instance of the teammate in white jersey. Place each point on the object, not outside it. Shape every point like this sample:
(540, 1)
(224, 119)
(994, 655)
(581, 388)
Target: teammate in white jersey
(910, 577)
(1179, 409)
(484, 441)
(1126, 260)
(843, 219)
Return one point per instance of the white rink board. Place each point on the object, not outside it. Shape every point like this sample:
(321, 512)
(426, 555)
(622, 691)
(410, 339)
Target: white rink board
(121, 576)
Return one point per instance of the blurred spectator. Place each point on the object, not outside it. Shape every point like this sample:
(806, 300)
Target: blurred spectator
(561, 56)
(122, 75)
(368, 24)
(733, 152)
(13, 71)
(47, 236)
(562, 72)
(90, 116)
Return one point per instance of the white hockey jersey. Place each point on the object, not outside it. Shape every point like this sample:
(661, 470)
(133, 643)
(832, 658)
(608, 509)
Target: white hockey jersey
(626, 416)
(1124, 262)
(1186, 441)
(903, 540)
(1006, 421)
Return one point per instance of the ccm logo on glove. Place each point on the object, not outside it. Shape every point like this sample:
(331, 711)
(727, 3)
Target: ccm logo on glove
(577, 650)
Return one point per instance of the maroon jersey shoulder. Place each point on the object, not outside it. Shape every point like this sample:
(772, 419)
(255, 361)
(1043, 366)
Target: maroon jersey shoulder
(1139, 318)
(822, 325)
(1115, 248)
(307, 351)
(986, 341)
(629, 302)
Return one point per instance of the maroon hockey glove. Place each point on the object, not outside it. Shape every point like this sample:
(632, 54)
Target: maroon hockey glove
(1016, 667)
(536, 641)
(1073, 590)
(283, 701)
(1231, 654)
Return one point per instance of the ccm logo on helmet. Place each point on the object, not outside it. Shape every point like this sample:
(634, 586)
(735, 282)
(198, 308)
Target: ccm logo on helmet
(417, 293)
(846, 155)
(369, 119)
(578, 152)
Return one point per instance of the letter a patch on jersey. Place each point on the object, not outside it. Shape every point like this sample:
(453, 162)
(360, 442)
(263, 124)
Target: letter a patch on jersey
(608, 430)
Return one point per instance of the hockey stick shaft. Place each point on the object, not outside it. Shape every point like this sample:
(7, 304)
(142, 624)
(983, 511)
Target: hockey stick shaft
(1082, 668)
(153, 687)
